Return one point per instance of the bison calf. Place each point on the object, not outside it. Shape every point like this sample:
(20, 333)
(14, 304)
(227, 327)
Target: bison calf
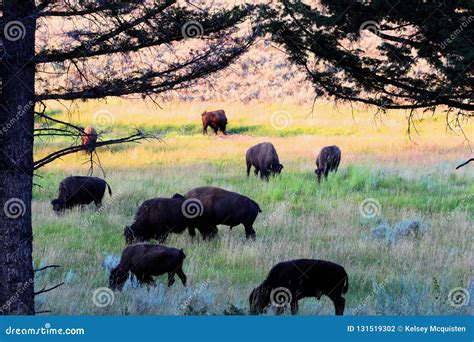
(210, 206)
(77, 190)
(156, 219)
(290, 281)
(145, 260)
(328, 160)
(264, 158)
(216, 120)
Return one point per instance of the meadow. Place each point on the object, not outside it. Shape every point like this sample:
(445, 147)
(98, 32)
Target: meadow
(408, 178)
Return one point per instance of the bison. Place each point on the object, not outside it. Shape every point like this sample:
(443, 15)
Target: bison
(327, 160)
(78, 190)
(145, 260)
(264, 158)
(215, 119)
(290, 281)
(89, 139)
(210, 206)
(156, 219)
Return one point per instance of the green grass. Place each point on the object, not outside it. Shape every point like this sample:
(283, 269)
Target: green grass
(300, 218)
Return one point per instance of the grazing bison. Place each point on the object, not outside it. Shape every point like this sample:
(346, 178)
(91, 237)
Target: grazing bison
(216, 120)
(264, 158)
(210, 206)
(145, 260)
(78, 190)
(156, 219)
(290, 281)
(327, 160)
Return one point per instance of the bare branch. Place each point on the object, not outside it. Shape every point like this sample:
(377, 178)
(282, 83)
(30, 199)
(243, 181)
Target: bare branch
(465, 163)
(44, 289)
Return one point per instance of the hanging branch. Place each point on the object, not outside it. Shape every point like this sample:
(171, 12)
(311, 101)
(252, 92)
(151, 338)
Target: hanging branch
(465, 163)
(73, 149)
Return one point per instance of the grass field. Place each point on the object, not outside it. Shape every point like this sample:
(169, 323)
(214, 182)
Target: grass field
(411, 179)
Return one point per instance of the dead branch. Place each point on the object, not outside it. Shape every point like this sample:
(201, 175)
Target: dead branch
(46, 267)
(465, 163)
(73, 149)
(44, 289)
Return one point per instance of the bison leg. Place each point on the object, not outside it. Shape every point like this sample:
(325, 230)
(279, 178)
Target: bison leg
(280, 310)
(208, 233)
(170, 279)
(339, 304)
(98, 203)
(216, 130)
(204, 130)
(294, 307)
(249, 232)
(256, 171)
(249, 166)
(181, 275)
(326, 173)
(192, 231)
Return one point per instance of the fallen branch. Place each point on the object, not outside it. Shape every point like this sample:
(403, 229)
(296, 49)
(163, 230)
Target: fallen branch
(465, 163)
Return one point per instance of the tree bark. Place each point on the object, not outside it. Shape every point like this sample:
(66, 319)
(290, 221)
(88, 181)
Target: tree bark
(17, 72)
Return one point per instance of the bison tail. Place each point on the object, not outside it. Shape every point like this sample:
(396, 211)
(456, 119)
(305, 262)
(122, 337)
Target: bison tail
(258, 207)
(346, 285)
(181, 253)
(108, 187)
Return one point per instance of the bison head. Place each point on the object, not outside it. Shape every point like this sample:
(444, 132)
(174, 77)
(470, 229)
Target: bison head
(259, 299)
(58, 205)
(128, 234)
(319, 173)
(117, 279)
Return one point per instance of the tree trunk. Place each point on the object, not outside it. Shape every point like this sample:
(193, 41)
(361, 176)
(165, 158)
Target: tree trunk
(17, 97)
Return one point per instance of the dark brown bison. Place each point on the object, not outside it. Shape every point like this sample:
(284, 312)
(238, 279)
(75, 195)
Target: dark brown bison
(290, 281)
(327, 160)
(210, 206)
(215, 119)
(264, 158)
(78, 190)
(156, 219)
(145, 260)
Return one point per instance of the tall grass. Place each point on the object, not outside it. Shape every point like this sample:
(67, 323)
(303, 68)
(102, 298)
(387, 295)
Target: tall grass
(300, 218)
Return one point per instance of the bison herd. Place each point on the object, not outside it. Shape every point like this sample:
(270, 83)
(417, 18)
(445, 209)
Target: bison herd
(204, 208)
